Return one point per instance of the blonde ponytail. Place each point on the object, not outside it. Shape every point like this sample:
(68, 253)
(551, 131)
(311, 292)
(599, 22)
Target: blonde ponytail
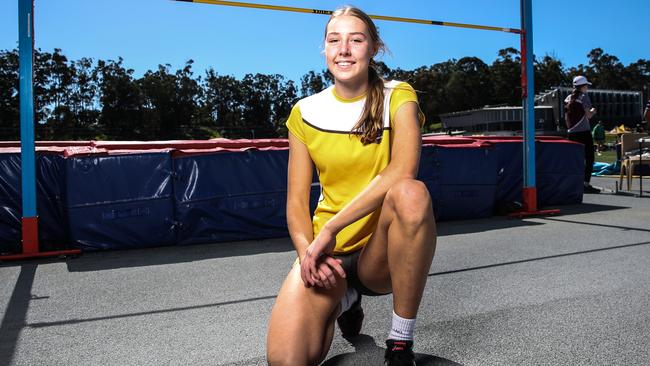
(371, 122)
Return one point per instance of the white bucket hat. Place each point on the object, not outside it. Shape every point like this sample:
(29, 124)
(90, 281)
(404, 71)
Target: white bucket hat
(580, 80)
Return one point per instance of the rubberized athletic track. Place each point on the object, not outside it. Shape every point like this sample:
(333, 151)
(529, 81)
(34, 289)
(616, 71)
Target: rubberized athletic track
(562, 290)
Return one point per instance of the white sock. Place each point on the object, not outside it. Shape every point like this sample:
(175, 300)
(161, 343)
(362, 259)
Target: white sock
(348, 299)
(402, 329)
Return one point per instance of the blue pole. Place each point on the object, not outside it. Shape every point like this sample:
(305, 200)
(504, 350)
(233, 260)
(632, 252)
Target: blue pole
(530, 192)
(27, 148)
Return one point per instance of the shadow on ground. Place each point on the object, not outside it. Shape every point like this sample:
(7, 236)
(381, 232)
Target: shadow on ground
(368, 353)
(108, 260)
(153, 256)
(446, 228)
(98, 261)
(15, 316)
(587, 208)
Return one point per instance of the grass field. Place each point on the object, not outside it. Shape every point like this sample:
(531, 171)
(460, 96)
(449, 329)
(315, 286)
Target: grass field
(608, 157)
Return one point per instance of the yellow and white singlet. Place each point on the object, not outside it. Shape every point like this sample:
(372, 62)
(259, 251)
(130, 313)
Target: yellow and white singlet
(323, 122)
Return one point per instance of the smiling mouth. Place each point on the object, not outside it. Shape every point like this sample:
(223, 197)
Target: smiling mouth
(345, 63)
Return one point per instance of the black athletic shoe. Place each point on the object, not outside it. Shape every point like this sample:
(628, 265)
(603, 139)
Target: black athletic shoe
(350, 321)
(591, 189)
(399, 353)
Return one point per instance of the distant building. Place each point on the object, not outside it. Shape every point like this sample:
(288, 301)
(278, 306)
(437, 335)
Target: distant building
(497, 119)
(614, 107)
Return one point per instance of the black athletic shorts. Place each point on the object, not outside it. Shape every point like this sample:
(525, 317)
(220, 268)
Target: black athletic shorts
(349, 264)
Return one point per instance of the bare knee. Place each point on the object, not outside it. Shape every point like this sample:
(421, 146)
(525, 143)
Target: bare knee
(293, 343)
(410, 201)
(300, 328)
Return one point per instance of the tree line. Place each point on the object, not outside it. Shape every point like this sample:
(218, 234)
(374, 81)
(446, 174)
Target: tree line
(103, 100)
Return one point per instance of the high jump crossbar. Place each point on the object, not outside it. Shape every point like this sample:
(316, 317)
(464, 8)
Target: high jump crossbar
(329, 12)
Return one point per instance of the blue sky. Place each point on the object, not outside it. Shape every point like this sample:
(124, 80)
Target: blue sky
(236, 41)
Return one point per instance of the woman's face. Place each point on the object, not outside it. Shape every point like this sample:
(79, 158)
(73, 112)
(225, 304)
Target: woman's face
(348, 49)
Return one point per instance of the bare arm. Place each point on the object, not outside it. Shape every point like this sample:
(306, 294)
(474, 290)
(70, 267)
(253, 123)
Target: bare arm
(298, 189)
(299, 217)
(405, 158)
(590, 113)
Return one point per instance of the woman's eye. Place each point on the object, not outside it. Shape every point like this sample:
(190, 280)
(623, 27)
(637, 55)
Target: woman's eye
(333, 40)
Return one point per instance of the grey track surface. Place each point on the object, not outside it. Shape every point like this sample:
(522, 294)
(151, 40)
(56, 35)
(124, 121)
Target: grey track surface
(570, 289)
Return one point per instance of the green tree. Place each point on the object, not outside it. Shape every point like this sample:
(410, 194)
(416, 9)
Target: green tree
(311, 83)
(171, 102)
(84, 97)
(605, 71)
(9, 99)
(158, 94)
(637, 77)
(262, 98)
(82, 100)
(121, 102)
(505, 78)
(188, 100)
(549, 72)
(468, 84)
(59, 118)
(287, 97)
(223, 101)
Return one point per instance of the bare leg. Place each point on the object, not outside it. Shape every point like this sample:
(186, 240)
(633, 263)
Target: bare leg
(302, 322)
(399, 254)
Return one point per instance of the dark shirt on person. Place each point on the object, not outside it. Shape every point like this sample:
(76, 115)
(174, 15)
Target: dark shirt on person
(582, 125)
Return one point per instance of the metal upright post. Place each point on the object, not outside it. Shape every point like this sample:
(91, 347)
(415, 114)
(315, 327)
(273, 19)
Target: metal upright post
(30, 247)
(529, 192)
(27, 148)
(528, 97)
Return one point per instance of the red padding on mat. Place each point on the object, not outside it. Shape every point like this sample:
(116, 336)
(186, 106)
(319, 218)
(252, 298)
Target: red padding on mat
(193, 152)
(191, 144)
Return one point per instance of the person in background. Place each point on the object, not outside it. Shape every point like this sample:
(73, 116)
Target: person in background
(598, 133)
(578, 111)
(646, 115)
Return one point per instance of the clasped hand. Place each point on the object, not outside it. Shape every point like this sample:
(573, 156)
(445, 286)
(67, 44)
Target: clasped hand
(317, 266)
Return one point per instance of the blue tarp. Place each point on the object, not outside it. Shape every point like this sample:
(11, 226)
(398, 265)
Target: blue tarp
(606, 169)
(141, 199)
(10, 201)
(53, 232)
(559, 173)
(461, 180)
(231, 196)
(120, 201)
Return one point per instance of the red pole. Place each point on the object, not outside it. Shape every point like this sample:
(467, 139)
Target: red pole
(30, 235)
